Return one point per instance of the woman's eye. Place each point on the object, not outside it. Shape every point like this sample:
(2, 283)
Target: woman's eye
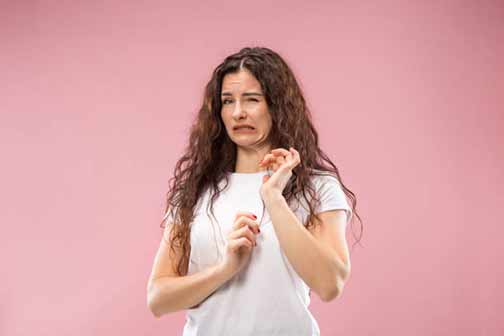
(228, 100)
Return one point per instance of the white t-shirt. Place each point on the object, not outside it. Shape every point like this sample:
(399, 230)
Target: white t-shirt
(267, 297)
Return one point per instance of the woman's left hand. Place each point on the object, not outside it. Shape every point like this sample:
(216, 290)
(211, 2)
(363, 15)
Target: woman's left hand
(282, 162)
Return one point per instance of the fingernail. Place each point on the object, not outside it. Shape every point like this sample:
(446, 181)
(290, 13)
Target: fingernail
(254, 216)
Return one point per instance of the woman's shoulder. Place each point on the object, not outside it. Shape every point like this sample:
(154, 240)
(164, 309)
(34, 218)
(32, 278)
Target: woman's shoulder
(322, 176)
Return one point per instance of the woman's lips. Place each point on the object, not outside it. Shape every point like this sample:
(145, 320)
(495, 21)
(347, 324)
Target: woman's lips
(245, 130)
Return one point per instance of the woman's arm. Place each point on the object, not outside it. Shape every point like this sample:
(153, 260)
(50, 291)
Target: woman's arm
(320, 267)
(168, 291)
(173, 293)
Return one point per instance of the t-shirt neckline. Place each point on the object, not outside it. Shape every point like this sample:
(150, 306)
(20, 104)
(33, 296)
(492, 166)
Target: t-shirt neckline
(251, 175)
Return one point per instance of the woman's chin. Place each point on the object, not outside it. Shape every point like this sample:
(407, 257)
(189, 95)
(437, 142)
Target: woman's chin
(245, 141)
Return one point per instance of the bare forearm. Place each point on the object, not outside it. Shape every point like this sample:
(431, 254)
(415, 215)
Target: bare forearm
(320, 269)
(170, 294)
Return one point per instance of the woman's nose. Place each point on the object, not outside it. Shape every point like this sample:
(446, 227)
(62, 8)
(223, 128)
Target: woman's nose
(238, 110)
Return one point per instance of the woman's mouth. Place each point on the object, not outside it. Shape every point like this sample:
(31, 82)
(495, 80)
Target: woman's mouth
(245, 129)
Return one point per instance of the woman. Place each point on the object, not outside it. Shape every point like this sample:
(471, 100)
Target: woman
(252, 150)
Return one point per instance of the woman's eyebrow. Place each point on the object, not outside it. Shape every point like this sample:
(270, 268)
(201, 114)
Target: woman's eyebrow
(243, 94)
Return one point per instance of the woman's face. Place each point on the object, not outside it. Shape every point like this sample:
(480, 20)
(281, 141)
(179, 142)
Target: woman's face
(243, 103)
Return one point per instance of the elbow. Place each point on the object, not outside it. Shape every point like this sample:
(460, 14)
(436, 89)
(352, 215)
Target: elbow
(152, 301)
(328, 296)
(153, 307)
(334, 288)
(154, 313)
(331, 292)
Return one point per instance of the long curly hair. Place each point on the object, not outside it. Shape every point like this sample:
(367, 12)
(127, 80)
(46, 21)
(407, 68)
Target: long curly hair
(210, 154)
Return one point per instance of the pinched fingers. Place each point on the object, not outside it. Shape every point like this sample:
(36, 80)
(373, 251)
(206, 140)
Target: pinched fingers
(235, 244)
(279, 156)
(246, 220)
(267, 158)
(244, 231)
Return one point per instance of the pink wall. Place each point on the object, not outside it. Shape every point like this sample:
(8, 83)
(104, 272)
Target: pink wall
(95, 105)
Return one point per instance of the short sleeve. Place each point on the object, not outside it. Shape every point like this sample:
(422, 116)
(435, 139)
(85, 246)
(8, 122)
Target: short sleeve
(332, 196)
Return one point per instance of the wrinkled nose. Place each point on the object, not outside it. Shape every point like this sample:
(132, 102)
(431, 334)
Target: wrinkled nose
(238, 111)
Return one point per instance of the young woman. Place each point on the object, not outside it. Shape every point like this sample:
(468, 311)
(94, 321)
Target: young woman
(255, 219)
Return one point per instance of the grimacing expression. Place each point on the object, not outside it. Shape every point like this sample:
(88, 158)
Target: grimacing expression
(243, 103)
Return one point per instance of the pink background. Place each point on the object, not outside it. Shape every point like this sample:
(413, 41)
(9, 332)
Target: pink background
(96, 101)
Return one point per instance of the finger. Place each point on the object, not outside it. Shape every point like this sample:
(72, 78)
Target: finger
(274, 163)
(280, 151)
(267, 158)
(241, 232)
(245, 231)
(241, 241)
(286, 155)
(246, 220)
(254, 226)
(267, 163)
(280, 160)
(235, 244)
(281, 156)
(295, 157)
(244, 213)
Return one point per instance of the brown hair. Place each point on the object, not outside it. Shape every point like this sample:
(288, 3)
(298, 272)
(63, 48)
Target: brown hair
(211, 154)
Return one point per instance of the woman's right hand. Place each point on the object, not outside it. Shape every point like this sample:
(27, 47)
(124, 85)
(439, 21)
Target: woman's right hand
(240, 242)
